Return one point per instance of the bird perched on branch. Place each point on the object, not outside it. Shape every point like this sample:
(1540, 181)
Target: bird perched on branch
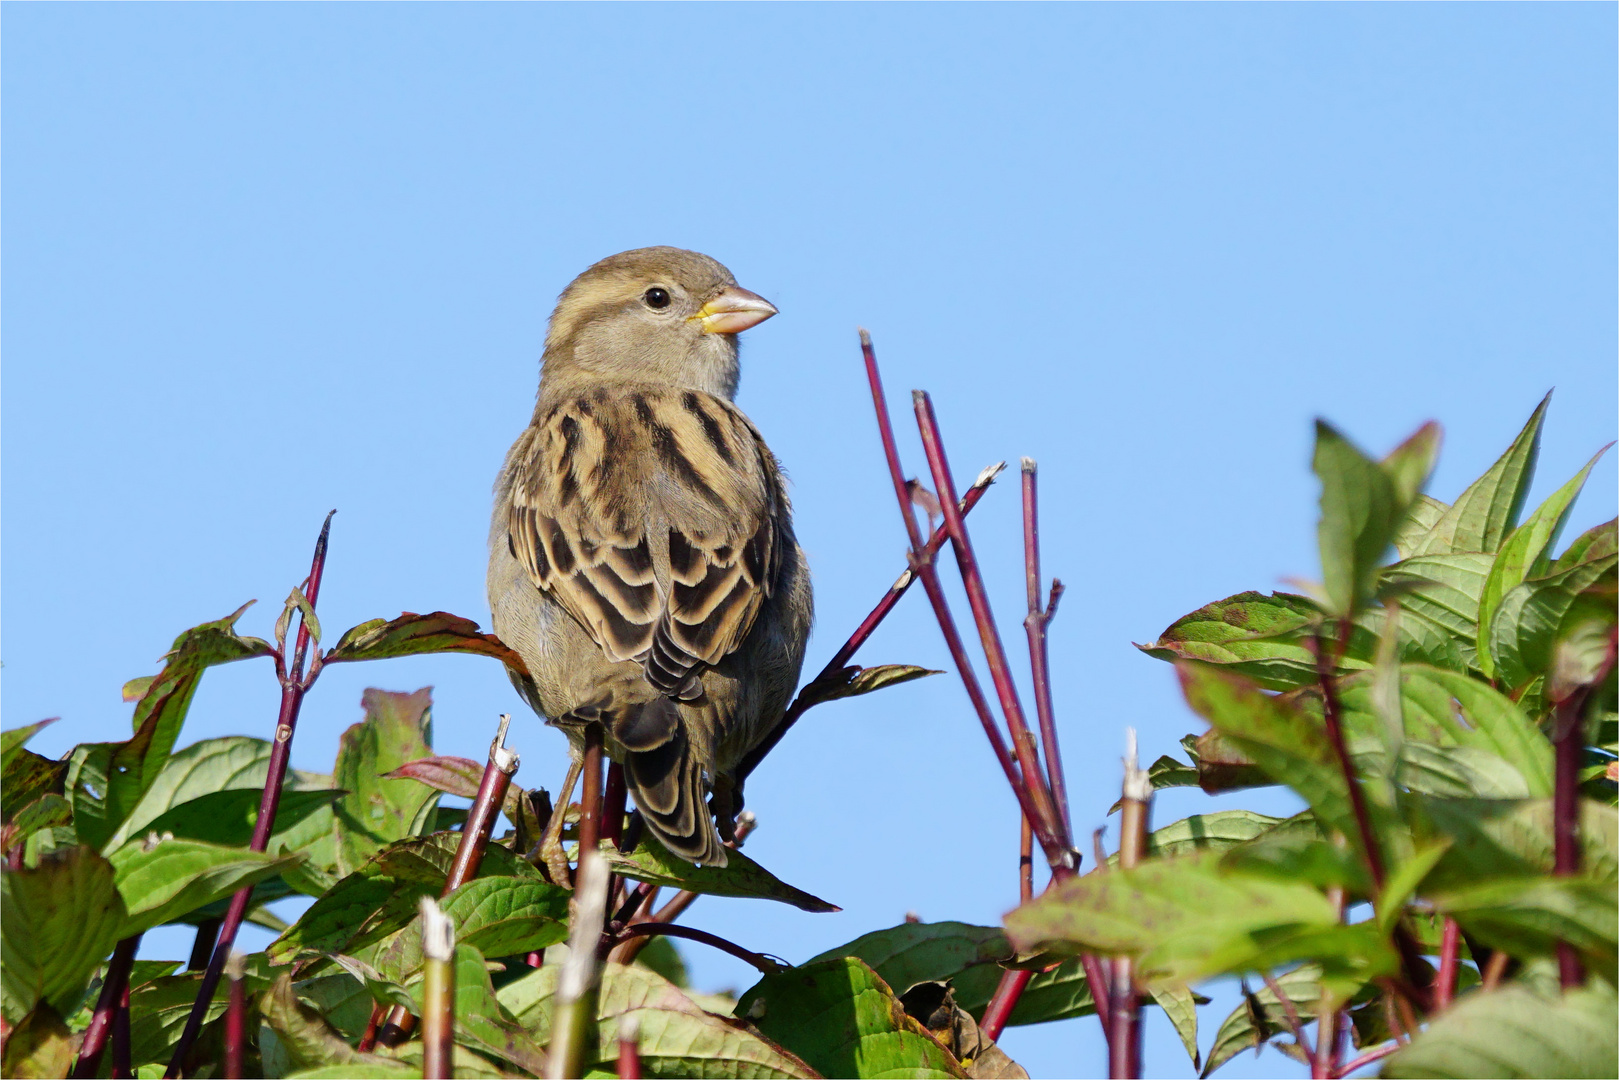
(641, 554)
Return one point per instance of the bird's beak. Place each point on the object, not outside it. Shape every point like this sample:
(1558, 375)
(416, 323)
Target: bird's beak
(733, 311)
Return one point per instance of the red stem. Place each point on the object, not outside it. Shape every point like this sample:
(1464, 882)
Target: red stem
(293, 687)
(1025, 861)
(235, 1028)
(613, 802)
(867, 626)
(1124, 1043)
(1005, 999)
(368, 1039)
(629, 1057)
(1053, 833)
(651, 929)
(1101, 991)
(113, 988)
(590, 799)
(1569, 747)
(122, 1063)
(1449, 947)
(1370, 1056)
(922, 565)
(1325, 665)
(202, 946)
(1035, 625)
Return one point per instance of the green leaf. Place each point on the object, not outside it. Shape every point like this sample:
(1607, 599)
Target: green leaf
(58, 922)
(1184, 918)
(232, 763)
(381, 897)
(1489, 721)
(1512, 1032)
(1481, 518)
(842, 1018)
(1403, 883)
(911, 953)
(41, 1046)
(228, 817)
(498, 916)
(741, 876)
(163, 879)
(1531, 614)
(677, 1037)
(1284, 740)
(306, 1038)
(1294, 850)
(1259, 636)
(854, 681)
(1506, 838)
(374, 811)
(1523, 555)
(413, 635)
(1439, 598)
(107, 780)
(1528, 916)
(1410, 464)
(1360, 508)
(1217, 831)
(1181, 1007)
(15, 739)
(46, 812)
(1262, 1015)
(28, 777)
(1424, 514)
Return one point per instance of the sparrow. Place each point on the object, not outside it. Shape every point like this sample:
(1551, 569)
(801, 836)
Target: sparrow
(642, 561)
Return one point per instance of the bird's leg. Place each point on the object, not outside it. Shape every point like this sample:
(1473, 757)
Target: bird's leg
(550, 848)
(721, 805)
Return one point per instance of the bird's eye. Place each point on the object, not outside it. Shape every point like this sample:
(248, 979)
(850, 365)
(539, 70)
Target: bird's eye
(656, 297)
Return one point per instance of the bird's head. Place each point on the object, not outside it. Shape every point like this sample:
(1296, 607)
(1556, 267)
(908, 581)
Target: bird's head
(656, 315)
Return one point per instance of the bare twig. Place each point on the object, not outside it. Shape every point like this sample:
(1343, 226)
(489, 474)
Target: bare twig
(1124, 1048)
(469, 853)
(1025, 861)
(1449, 946)
(1048, 820)
(1007, 994)
(1294, 1024)
(1367, 1058)
(202, 946)
(438, 992)
(690, 933)
(922, 565)
(868, 625)
(575, 1009)
(1035, 625)
(235, 1017)
(629, 1050)
(113, 986)
(590, 799)
(1569, 744)
(294, 684)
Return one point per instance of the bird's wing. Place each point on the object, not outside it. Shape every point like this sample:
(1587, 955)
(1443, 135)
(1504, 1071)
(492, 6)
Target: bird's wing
(651, 515)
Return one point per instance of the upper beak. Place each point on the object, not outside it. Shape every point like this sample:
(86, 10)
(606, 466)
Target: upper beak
(733, 311)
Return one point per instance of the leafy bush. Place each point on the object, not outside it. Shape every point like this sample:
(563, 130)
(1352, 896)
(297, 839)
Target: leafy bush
(1446, 902)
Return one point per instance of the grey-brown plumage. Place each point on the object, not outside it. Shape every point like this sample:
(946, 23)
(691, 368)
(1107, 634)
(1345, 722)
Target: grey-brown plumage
(641, 554)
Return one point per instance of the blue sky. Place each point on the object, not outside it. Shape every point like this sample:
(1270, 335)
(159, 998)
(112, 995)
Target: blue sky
(265, 260)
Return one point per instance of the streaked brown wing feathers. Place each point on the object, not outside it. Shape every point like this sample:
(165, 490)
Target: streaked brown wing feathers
(589, 521)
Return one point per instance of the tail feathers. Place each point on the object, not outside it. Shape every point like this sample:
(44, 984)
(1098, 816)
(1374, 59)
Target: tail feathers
(667, 785)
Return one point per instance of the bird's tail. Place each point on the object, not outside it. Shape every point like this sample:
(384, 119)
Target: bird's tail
(667, 785)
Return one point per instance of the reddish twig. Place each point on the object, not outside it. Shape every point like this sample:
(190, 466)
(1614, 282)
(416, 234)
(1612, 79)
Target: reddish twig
(1294, 1023)
(1101, 991)
(1325, 666)
(368, 1038)
(1124, 1048)
(1007, 993)
(202, 946)
(1035, 625)
(235, 1018)
(629, 1049)
(922, 565)
(867, 626)
(1367, 1058)
(651, 929)
(590, 799)
(1025, 861)
(294, 684)
(1569, 748)
(1047, 819)
(1449, 947)
(480, 826)
(114, 986)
